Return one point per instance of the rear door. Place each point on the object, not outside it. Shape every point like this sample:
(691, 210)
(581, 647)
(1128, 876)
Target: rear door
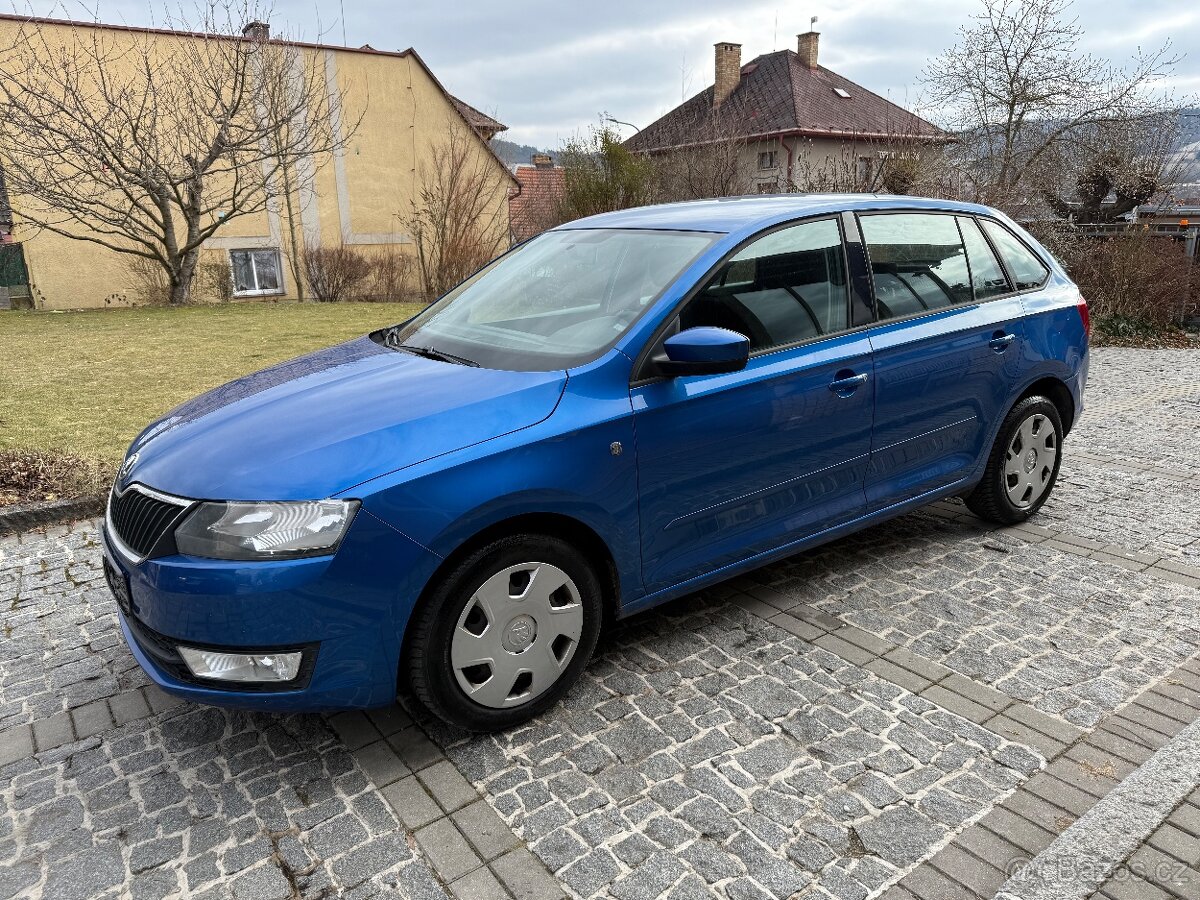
(947, 345)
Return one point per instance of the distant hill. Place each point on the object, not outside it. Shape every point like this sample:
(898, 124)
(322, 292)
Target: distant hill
(512, 153)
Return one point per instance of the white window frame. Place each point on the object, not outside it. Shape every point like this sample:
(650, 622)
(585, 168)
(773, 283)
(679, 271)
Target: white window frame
(769, 156)
(269, 292)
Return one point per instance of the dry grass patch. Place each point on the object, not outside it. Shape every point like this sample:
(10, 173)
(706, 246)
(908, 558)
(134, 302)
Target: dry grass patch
(32, 477)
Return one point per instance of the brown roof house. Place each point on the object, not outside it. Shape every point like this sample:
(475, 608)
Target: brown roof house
(784, 122)
(534, 205)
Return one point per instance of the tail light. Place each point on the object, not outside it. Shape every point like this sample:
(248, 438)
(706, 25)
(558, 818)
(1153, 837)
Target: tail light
(1085, 316)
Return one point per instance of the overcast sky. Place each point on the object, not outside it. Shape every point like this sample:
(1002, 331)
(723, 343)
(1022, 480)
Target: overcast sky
(548, 68)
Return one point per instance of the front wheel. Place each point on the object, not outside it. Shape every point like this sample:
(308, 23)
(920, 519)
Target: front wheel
(506, 633)
(1023, 465)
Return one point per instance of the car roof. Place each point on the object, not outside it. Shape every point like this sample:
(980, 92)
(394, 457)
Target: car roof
(740, 214)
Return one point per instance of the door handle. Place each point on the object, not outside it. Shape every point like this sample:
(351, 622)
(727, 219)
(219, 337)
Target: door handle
(1000, 341)
(846, 386)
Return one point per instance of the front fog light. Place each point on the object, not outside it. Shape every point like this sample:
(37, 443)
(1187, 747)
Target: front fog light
(242, 666)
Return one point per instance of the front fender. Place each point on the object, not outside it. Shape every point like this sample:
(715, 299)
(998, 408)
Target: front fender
(580, 463)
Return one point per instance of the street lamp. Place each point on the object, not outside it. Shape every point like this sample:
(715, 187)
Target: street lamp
(607, 118)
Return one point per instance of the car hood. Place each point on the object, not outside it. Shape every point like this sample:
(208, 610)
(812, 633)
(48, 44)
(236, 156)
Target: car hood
(321, 424)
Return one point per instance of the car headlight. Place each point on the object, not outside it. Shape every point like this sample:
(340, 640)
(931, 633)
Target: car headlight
(245, 531)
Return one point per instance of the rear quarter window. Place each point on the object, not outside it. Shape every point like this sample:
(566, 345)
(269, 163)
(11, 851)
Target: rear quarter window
(1027, 270)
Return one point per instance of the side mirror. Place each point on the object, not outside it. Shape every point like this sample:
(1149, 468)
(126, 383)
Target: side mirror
(703, 351)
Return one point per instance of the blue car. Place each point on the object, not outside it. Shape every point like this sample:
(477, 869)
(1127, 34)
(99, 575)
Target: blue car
(616, 413)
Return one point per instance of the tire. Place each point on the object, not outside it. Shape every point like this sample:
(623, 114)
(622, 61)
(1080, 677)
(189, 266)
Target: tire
(504, 634)
(1023, 466)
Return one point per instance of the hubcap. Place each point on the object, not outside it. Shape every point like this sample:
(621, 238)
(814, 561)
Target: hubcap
(1029, 461)
(517, 634)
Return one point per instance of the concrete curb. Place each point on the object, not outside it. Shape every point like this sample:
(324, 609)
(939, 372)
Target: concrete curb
(1114, 828)
(27, 516)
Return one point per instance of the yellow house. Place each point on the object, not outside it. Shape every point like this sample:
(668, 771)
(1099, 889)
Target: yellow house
(359, 198)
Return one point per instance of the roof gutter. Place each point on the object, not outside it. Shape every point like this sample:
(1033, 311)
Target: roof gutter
(942, 138)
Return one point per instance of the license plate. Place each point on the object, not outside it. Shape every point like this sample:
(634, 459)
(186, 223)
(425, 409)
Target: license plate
(119, 585)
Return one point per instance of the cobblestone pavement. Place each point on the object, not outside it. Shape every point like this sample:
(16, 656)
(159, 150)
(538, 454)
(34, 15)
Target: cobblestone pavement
(1066, 634)
(711, 750)
(62, 647)
(204, 802)
(918, 711)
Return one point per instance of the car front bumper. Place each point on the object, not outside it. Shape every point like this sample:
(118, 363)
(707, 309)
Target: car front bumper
(346, 612)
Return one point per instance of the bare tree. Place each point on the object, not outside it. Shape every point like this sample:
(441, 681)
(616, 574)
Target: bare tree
(1109, 169)
(1017, 88)
(458, 220)
(149, 143)
(708, 164)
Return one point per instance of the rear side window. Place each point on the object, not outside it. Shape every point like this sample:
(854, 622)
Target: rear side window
(987, 277)
(788, 286)
(918, 263)
(1027, 270)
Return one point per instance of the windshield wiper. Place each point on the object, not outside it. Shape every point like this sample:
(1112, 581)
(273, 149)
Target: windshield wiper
(430, 352)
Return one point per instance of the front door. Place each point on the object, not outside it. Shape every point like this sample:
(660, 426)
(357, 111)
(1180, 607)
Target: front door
(947, 351)
(733, 465)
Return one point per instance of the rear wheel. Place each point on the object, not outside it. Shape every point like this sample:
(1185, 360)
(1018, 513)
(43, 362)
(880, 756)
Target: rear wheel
(1023, 466)
(506, 633)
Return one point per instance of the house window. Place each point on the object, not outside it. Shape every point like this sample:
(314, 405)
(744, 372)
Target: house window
(768, 159)
(766, 187)
(255, 272)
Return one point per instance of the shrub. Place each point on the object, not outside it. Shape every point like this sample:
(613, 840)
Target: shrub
(334, 273)
(1136, 283)
(215, 280)
(601, 174)
(393, 274)
(151, 287)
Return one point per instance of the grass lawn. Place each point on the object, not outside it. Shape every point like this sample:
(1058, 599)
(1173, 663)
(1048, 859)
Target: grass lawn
(85, 383)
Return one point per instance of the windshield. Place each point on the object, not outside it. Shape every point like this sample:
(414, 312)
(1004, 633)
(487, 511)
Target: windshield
(555, 302)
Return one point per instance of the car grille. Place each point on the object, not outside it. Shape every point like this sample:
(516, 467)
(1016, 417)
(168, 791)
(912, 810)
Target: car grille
(141, 520)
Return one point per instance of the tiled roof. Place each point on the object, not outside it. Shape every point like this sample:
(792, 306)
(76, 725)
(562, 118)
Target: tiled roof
(535, 208)
(778, 94)
(478, 120)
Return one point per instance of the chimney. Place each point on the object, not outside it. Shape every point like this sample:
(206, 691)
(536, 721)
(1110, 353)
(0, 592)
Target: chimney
(728, 71)
(257, 31)
(806, 48)
(542, 160)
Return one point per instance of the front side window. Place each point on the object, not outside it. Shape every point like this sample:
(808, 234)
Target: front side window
(1027, 270)
(785, 287)
(255, 271)
(556, 301)
(768, 159)
(918, 263)
(987, 278)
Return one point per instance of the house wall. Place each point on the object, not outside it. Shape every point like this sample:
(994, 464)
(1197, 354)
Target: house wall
(806, 152)
(817, 164)
(359, 198)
